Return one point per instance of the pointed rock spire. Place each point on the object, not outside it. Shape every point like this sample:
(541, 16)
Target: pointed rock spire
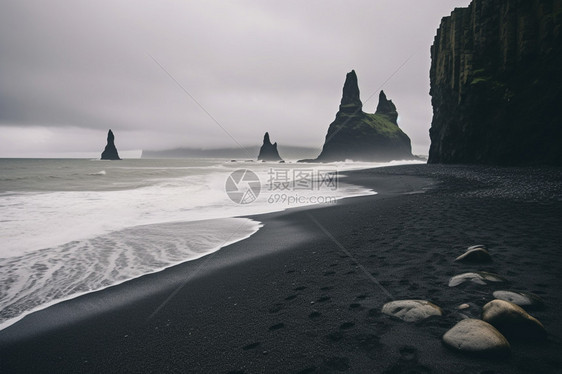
(359, 136)
(387, 108)
(266, 139)
(110, 152)
(350, 101)
(268, 151)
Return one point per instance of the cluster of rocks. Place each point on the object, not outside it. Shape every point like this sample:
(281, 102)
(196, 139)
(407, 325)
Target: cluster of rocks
(501, 319)
(356, 135)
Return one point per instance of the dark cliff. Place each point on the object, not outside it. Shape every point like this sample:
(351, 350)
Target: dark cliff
(110, 152)
(360, 136)
(268, 151)
(496, 84)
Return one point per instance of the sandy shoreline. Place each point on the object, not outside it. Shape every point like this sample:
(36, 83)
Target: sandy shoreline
(290, 299)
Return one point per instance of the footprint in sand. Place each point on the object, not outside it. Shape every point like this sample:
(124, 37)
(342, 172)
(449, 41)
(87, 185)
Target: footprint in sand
(300, 288)
(308, 370)
(367, 342)
(335, 336)
(315, 315)
(347, 325)
(373, 312)
(408, 353)
(251, 346)
(337, 363)
(408, 362)
(276, 326)
(276, 308)
(413, 287)
(291, 297)
(323, 299)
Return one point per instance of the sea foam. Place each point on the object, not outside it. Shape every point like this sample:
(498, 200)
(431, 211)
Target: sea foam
(41, 278)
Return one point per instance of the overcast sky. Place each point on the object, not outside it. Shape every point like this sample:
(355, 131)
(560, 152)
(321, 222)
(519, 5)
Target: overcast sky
(72, 69)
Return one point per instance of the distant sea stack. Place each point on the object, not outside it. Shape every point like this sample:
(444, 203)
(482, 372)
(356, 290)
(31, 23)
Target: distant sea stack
(359, 136)
(110, 152)
(268, 151)
(496, 84)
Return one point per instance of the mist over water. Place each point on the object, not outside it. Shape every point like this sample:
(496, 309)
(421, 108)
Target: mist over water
(69, 227)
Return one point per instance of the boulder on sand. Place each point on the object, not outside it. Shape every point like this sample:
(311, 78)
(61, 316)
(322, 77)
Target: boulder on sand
(526, 300)
(481, 277)
(512, 320)
(475, 254)
(411, 310)
(477, 337)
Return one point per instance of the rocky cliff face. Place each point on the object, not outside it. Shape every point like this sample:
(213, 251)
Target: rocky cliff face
(268, 151)
(496, 84)
(110, 152)
(360, 136)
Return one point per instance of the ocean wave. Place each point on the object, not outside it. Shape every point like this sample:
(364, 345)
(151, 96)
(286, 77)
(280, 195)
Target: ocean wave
(40, 278)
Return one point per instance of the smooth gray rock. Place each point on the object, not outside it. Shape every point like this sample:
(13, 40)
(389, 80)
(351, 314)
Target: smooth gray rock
(475, 254)
(481, 277)
(411, 310)
(525, 300)
(475, 336)
(477, 246)
(512, 320)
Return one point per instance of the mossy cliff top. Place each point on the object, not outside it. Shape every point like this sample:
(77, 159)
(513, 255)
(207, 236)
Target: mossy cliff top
(359, 136)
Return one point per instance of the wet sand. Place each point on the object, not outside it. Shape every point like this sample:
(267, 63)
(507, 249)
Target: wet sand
(304, 294)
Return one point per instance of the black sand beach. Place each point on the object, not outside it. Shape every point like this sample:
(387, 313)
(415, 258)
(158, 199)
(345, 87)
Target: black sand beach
(304, 294)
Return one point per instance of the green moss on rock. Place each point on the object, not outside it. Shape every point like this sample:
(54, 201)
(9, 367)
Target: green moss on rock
(359, 136)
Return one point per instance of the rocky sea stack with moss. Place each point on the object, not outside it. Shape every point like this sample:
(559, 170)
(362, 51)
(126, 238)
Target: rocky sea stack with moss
(359, 136)
(496, 84)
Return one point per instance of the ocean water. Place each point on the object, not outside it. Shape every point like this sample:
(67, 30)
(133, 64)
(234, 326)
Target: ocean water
(73, 226)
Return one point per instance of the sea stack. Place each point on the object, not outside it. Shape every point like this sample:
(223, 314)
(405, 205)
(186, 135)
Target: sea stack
(359, 136)
(268, 151)
(110, 152)
(496, 84)
(387, 108)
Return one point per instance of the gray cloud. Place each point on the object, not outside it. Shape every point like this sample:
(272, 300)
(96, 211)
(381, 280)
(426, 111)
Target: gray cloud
(69, 70)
